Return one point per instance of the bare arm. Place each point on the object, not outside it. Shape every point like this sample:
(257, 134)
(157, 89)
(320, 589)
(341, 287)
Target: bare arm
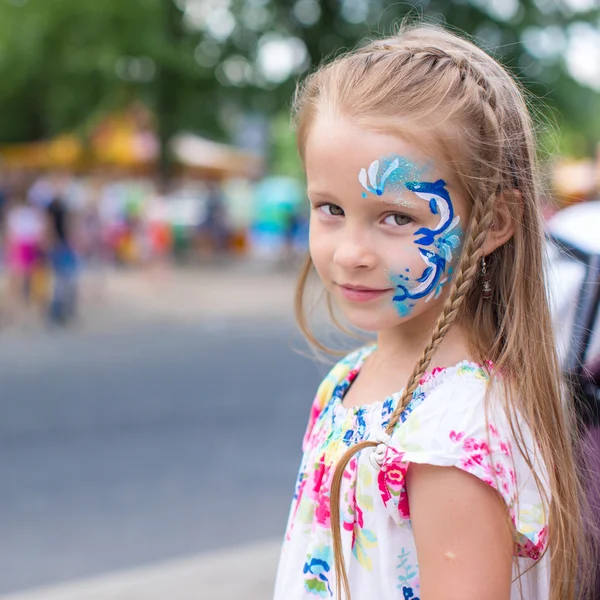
(462, 535)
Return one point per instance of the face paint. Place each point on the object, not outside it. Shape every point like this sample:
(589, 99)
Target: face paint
(390, 174)
(439, 201)
(449, 241)
(445, 238)
(435, 268)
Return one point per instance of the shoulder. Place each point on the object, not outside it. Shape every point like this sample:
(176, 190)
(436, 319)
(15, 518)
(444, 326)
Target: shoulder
(462, 411)
(336, 375)
(451, 397)
(447, 410)
(458, 418)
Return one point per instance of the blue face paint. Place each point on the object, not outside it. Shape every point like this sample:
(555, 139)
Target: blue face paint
(423, 286)
(428, 285)
(444, 238)
(390, 174)
(440, 204)
(395, 174)
(449, 241)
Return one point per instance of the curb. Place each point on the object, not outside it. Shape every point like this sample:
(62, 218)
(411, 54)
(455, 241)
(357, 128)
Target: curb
(246, 573)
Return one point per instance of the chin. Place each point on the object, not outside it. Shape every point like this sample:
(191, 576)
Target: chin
(368, 320)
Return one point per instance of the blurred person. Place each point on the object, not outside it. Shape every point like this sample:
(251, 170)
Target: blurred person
(160, 238)
(42, 190)
(439, 462)
(110, 215)
(90, 231)
(24, 230)
(291, 226)
(295, 235)
(213, 234)
(3, 209)
(3, 197)
(62, 258)
(91, 225)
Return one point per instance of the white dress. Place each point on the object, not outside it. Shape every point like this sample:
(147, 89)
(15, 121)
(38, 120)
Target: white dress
(444, 425)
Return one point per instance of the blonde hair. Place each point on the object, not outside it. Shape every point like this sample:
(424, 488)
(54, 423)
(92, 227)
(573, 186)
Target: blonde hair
(426, 84)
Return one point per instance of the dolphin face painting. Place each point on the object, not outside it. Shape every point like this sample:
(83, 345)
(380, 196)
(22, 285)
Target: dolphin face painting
(427, 282)
(439, 201)
(395, 174)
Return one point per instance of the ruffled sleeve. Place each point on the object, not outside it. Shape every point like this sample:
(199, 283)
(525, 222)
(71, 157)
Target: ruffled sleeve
(449, 428)
(338, 373)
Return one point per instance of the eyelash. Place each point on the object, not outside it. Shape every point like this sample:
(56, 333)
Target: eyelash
(321, 206)
(394, 215)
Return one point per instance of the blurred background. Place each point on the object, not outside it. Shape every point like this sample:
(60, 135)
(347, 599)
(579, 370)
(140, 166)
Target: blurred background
(154, 390)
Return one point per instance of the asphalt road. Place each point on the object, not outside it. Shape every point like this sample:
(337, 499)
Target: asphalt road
(122, 449)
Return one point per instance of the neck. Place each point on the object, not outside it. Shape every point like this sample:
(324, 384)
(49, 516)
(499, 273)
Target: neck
(404, 343)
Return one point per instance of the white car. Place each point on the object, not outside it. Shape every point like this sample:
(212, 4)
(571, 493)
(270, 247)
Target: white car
(574, 279)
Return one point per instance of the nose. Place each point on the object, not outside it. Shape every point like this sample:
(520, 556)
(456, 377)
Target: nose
(353, 250)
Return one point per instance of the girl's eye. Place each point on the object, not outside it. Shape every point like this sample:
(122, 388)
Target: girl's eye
(331, 210)
(397, 219)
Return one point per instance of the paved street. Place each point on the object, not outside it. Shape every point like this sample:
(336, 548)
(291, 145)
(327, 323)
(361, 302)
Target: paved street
(149, 440)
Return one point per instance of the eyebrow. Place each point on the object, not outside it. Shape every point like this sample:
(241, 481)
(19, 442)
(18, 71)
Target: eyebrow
(398, 203)
(323, 195)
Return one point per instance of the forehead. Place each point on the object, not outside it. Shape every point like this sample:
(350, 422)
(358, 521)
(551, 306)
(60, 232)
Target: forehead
(337, 150)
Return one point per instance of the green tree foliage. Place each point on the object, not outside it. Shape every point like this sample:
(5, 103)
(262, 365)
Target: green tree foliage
(199, 63)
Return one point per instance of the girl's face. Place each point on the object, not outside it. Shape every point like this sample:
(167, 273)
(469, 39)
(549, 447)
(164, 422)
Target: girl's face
(386, 226)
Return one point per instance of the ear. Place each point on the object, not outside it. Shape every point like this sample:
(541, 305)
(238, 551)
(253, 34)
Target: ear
(506, 213)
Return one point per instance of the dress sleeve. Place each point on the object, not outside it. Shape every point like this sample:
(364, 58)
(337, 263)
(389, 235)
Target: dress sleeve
(326, 388)
(449, 428)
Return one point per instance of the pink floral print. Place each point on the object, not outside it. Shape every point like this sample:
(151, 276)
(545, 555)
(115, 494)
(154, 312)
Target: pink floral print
(444, 424)
(391, 480)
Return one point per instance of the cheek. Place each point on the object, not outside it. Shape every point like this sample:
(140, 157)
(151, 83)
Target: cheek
(419, 277)
(402, 258)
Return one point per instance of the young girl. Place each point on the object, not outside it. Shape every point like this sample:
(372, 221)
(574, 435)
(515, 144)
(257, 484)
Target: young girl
(439, 462)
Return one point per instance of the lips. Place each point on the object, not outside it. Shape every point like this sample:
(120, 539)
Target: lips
(361, 293)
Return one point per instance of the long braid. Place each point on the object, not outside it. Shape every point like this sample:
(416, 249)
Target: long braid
(462, 284)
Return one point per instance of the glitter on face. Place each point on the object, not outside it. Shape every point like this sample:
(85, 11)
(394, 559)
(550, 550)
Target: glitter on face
(401, 201)
(390, 175)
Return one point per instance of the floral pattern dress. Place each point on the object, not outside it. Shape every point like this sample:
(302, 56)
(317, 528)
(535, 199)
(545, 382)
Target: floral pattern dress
(444, 424)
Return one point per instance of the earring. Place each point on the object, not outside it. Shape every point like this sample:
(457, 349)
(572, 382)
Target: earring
(486, 292)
